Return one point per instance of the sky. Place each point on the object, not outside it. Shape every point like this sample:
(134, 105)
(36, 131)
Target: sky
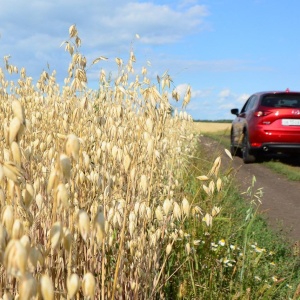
(225, 50)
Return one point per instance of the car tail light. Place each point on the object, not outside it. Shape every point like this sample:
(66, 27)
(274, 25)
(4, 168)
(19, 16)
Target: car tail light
(262, 113)
(256, 144)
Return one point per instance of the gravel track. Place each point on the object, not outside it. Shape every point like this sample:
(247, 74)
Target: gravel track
(281, 198)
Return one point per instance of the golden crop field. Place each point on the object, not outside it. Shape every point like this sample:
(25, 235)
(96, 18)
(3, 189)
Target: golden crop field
(90, 198)
(208, 127)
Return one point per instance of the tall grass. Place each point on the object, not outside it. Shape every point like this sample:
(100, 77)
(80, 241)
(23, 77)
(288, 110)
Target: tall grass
(91, 199)
(237, 256)
(101, 196)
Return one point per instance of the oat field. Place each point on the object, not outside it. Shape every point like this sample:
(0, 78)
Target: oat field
(90, 198)
(210, 127)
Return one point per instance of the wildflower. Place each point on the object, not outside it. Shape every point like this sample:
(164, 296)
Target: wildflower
(232, 247)
(222, 242)
(274, 278)
(214, 247)
(272, 263)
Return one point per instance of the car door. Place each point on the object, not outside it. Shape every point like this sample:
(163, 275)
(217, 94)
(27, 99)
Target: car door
(241, 120)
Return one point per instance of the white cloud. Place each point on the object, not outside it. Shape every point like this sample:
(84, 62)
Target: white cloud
(33, 30)
(210, 104)
(225, 93)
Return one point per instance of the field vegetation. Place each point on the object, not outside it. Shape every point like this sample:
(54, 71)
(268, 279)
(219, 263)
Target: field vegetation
(104, 194)
(211, 127)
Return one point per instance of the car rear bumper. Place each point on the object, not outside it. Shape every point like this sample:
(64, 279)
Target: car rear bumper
(278, 147)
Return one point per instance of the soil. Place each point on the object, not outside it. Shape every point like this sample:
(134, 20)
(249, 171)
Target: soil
(281, 197)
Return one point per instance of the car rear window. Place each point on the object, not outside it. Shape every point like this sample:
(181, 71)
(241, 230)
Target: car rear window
(281, 101)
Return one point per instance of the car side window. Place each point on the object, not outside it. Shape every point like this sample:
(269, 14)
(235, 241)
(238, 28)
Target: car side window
(249, 104)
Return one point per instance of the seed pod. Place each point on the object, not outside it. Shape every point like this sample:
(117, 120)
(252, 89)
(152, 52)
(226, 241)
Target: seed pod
(27, 152)
(159, 214)
(67, 239)
(73, 146)
(148, 213)
(65, 164)
(114, 152)
(18, 110)
(131, 228)
(39, 201)
(43, 147)
(12, 171)
(208, 219)
(73, 284)
(25, 241)
(47, 288)
(167, 206)
(144, 183)
(16, 153)
(8, 218)
(188, 248)
(168, 249)
(17, 230)
(86, 160)
(15, 258)
(126, 162)
(14, 129)
(49, 139)
(176, 210)
(88, 285)
(211, 187)
(149, 125)
(33, 257)
(219, 184)
(185, 207)
(28, 194)
(99, 226)
(62, 195)
(28, 287)
(56, 234)
(215, 211)
(50, 154)
(83, 224)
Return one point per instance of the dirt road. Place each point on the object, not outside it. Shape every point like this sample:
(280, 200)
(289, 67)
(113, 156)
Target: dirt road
(281, 198)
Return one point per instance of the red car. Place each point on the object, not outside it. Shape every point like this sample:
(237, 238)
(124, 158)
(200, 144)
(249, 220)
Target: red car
(268, 122)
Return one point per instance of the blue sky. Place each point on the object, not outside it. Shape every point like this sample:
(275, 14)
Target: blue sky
(225, 49)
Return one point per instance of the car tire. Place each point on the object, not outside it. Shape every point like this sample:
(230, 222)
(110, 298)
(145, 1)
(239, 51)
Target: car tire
(246, 155)
(235, 151)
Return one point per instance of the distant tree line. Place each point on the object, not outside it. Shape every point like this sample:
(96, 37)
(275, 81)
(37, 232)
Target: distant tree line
(214, 121)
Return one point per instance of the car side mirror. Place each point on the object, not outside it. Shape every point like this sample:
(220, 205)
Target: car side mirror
(235, 111)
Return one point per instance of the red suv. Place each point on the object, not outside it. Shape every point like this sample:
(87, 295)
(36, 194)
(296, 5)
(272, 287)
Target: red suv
(268, 122)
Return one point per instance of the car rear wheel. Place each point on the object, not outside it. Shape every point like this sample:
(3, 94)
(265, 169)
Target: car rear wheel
(235, 151)
(246, 155)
